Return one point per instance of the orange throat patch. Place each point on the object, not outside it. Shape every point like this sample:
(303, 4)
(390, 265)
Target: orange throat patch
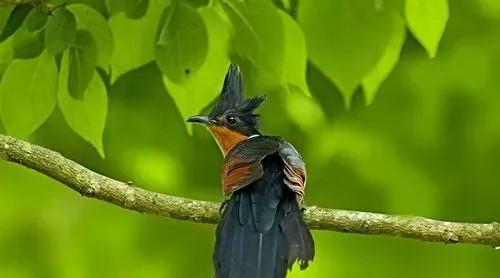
(226, 139)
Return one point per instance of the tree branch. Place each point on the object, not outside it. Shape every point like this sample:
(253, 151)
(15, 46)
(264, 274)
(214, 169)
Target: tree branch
(94, 185)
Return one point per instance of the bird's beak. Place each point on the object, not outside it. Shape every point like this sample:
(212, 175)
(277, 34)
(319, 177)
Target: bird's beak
(199, 119)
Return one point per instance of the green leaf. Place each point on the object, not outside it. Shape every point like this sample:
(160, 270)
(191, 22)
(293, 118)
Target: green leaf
(28, 91)
(372, 81)
(292, 76)
(98, 5)
(82, 65)
(295, 54)
(134, 40)
(28, 44)
(14, 21)
(91, 20)
(88, 117)
(427, 20)
(138, 10)
(182, 43)
(4, 15)
(204, 85)
(258, 33)
(60, 31)
(35, 20)
(345, 39)
(115, 6)
(6, 56)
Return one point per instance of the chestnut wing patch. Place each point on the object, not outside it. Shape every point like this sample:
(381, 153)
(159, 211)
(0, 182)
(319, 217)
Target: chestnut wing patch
(242, 165)
(295, 170)
(240, 175)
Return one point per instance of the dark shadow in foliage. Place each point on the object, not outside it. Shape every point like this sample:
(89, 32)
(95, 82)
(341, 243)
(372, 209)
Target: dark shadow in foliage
(197, 3)
(98, 5)
(24, 247)
(55, 134)
(453, 160)
(328, 96)
(138, 97)
(139, 10)
(342, 183)
(15, 20)
(398, 95)
(465, 23)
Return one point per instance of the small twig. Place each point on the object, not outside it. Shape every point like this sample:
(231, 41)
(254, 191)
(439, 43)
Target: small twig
(94, 185)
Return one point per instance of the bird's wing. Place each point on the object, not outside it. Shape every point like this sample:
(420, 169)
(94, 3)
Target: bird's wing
(295, 170)
(242, 165)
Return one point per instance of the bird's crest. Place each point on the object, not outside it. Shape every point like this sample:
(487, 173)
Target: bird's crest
(232, 98)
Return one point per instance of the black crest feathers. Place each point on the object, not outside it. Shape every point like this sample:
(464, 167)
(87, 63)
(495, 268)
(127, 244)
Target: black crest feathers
(232, 96)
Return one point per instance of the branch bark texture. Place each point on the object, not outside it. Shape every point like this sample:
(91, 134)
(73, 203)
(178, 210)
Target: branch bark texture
(94, 185)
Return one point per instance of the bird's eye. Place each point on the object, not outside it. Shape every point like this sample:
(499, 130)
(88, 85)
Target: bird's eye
(231, 120)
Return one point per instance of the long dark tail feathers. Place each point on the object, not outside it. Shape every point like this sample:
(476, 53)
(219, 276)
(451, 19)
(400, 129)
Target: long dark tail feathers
(241, 251)
(297, 234)
(244, 251)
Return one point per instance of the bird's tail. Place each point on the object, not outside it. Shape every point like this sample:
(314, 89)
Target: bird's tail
(300, 244)
(243, 249)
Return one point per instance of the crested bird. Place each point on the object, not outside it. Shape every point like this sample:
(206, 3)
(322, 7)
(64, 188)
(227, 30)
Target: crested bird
(261, 232)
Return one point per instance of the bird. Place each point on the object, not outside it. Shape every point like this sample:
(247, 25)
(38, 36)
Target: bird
(261, 232)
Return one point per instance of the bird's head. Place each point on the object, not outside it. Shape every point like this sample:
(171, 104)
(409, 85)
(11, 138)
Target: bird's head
(232, 119)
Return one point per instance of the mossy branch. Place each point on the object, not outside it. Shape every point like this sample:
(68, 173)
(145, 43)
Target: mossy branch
(94, 185)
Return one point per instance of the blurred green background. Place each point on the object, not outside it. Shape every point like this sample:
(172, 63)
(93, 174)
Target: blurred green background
(428, 145)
